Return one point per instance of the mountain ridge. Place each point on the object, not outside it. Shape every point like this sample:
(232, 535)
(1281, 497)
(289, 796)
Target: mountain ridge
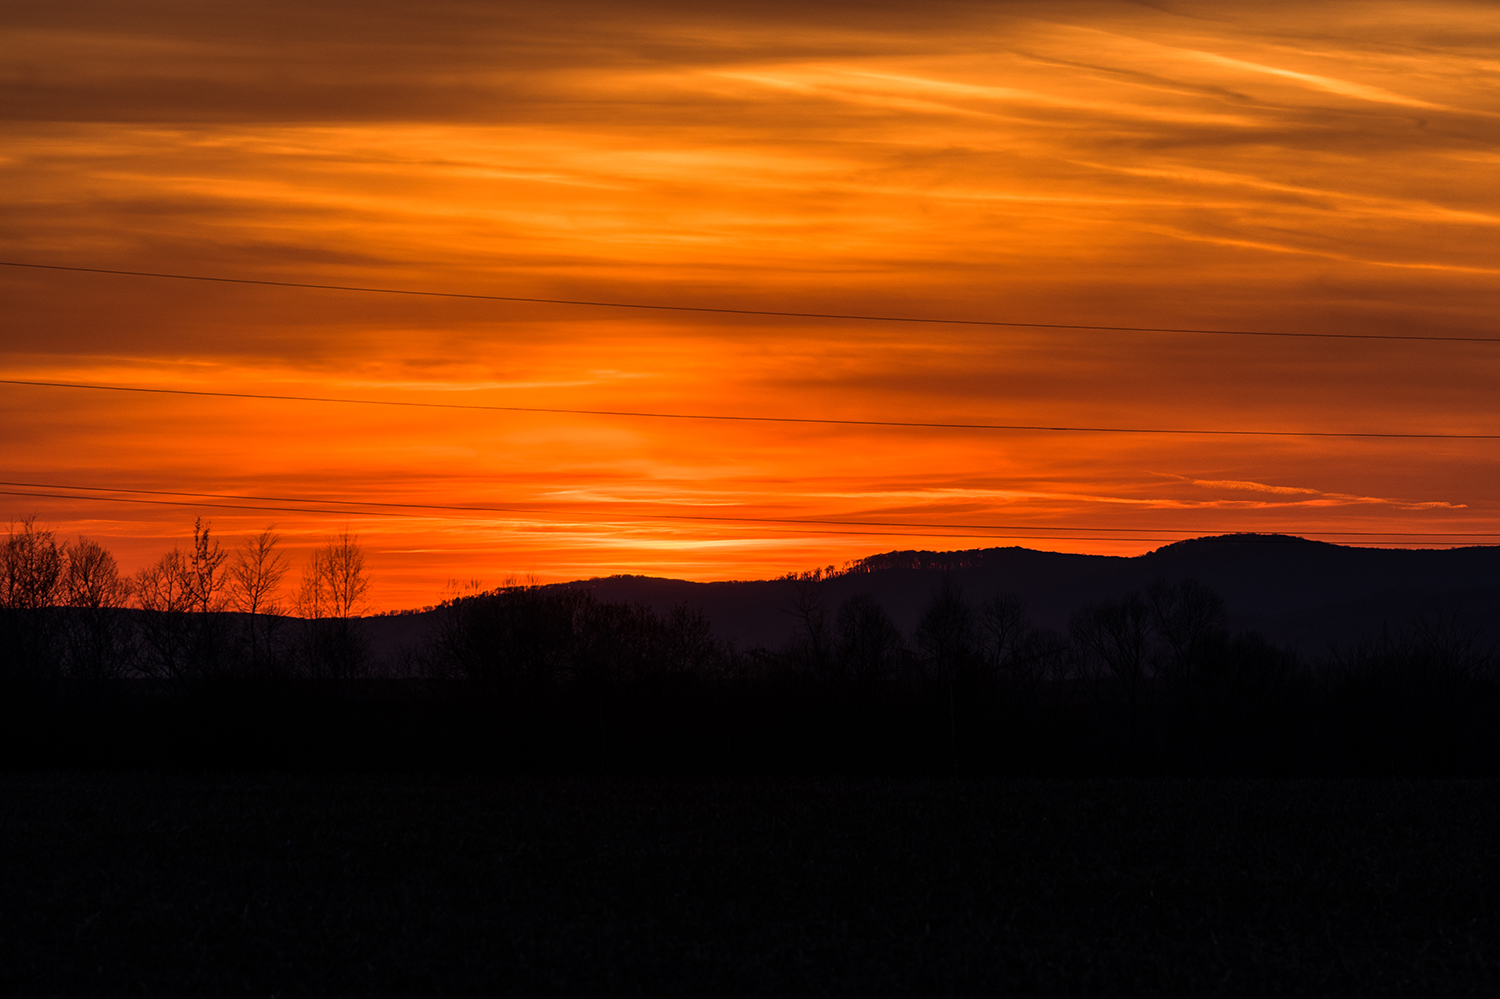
(1299, 592)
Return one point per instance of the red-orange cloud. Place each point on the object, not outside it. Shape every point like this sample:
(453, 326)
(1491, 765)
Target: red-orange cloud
(1281, 167)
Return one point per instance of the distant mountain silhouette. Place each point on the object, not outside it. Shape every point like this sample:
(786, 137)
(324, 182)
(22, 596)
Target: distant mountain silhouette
(905, 662)
(1308, 594)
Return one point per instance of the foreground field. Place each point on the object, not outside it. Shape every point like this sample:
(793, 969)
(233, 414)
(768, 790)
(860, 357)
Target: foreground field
(176, 885)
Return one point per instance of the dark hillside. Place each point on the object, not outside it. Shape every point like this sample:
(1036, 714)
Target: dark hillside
(1138, 667)
(1305, 593)
(757, 612)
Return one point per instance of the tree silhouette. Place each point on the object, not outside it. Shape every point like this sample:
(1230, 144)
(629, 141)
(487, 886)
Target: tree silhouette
(165, 592)
(93, 577)
(205, 570)
(1015, 656)
(31, 572)
(98, 635)
(333, 590)
(685, 644)
(811, 646)
(1189, 620)
(945, 636)
(869, 645)
(181, 596)
(1117, 635)
(518, 640)
(206, 579)
(334, 583)
(344, 569)
(254, 579)
(32, 567)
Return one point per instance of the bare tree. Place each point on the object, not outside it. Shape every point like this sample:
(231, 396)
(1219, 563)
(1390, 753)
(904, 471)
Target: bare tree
(311, 601)
(334, 583)
(1014, 653)
(254, 578)
(256, 574)
(810, 646)
(207, 578)
(1191, 622)
(164, 590)
(206, 575)
(98, 636)
(945, 635)
(332, 591)
(93, 577)
(344, 570)
(1117, 634)
(869, 643)
(164, 586)
(31, 569)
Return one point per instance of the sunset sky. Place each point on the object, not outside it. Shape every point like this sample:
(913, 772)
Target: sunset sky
(1290, 167)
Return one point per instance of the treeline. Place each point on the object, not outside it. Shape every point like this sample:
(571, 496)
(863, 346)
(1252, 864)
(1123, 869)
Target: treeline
(1156, 681)
(189, 663)
(66, 612)
(1151, 682)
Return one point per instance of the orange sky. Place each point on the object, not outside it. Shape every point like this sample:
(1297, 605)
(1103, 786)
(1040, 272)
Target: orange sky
(1300, 167)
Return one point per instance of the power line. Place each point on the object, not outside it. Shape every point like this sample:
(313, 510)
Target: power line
(917, 532)
(637, 414)
(798, 521)
(821, 533)
(368, 513)
(655, 307)
(210, 506)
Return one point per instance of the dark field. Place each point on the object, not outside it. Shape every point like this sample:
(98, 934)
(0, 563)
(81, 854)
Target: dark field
(178, 885)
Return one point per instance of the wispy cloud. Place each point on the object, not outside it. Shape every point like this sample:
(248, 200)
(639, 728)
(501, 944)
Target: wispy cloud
(1324, 499)
(1344, 88)
(1283, 167)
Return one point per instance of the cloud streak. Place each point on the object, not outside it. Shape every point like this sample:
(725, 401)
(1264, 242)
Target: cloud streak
(1282, 166)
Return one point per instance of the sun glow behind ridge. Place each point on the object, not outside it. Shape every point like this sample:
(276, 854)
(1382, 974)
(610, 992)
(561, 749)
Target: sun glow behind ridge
(1273, 167)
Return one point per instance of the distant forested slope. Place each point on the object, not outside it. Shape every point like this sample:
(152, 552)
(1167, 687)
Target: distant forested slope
(1308, 594)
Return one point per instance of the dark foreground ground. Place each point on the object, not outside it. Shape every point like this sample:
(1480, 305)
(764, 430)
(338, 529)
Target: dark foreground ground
(150, 885)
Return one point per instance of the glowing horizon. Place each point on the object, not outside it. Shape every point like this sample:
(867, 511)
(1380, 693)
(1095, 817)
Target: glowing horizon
(1273, 167)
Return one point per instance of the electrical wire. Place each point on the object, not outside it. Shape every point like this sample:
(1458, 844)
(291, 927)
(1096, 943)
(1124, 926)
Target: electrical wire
(391, 509)
(633, 515)
(718, 310)
(803, 420)
(562, 526)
